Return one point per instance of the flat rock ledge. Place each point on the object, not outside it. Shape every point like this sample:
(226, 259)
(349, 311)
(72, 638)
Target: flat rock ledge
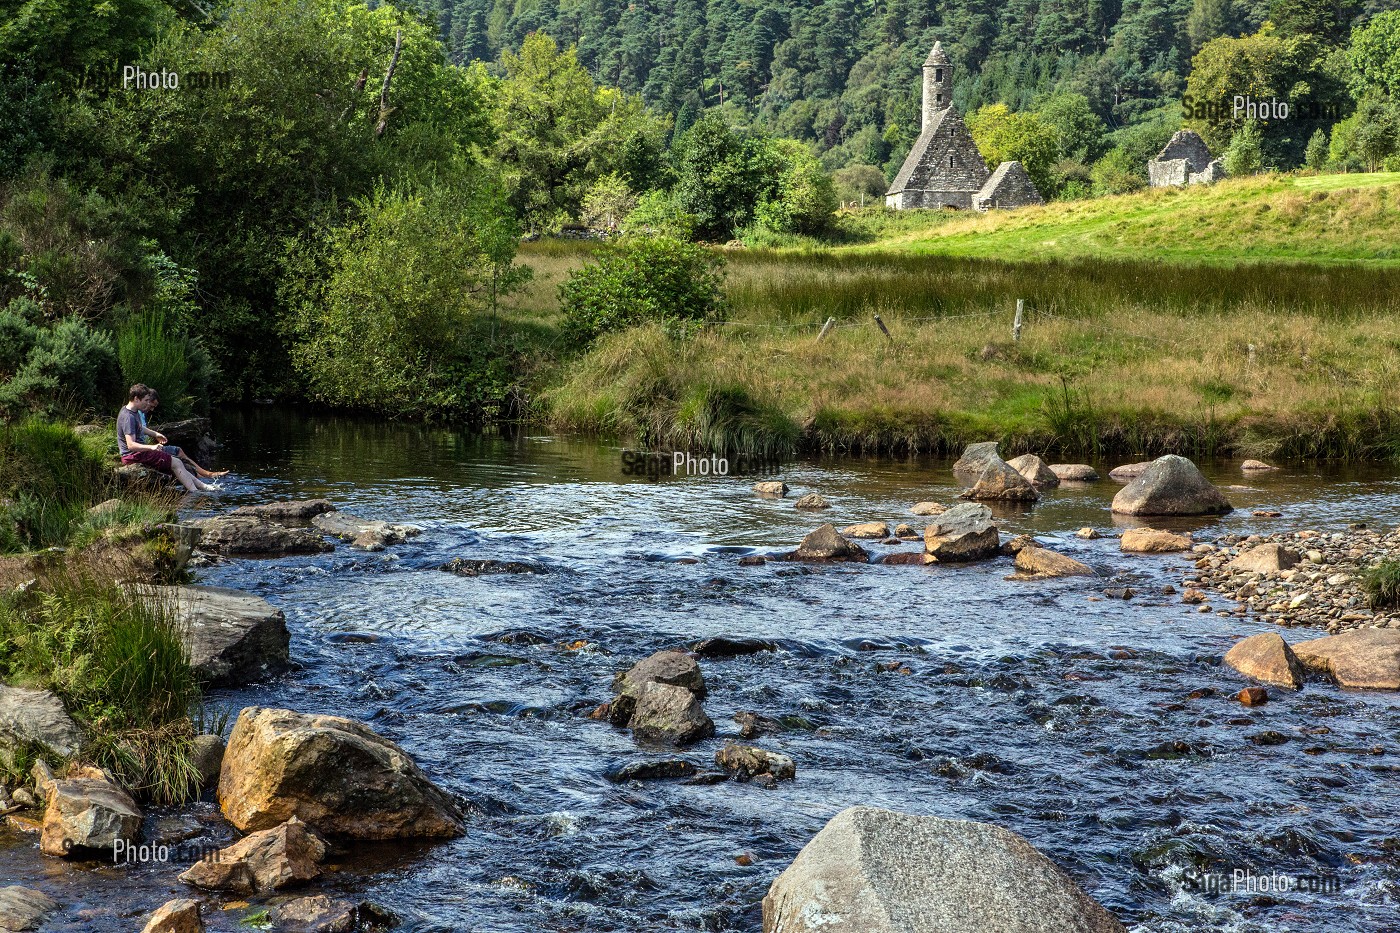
(878, 871)
(234, 638)
(23, 910)
(36, 717)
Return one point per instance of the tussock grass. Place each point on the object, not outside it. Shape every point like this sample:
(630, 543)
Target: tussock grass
(119, 665)
(1382, 584)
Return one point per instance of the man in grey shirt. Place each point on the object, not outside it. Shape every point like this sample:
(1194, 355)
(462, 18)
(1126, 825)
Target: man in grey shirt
(132, 446)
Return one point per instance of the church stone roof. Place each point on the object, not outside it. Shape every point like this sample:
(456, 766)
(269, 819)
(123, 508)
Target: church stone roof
(936, 55)
(945, 135)
(1008, 186)
(1187, 145)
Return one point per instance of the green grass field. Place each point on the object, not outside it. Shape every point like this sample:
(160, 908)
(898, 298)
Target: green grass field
(1315, 219)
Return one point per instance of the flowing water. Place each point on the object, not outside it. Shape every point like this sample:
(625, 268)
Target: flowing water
(1084, 723)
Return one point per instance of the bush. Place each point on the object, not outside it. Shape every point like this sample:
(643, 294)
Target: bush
(1245, 155)
(641, 279)
(120, 666)
(153, 352)
(49, 479)
(1116, 173)
(658, 213)
(53, 370)
(804, 197)
(1382, 584)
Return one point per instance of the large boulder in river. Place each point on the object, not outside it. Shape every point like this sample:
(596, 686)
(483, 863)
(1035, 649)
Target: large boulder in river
(30, 718)
(286, 511)
(670, 715)
(261, 862)
(177, 916)
(999, 482)
(234, 638)
(877, 871)
(334, 774)
(1041, 563)
(1171, 486)
(1266, 559)
(1035, 470)
(825, 544)
(1153, 541)
(976, 457)
(86, 814)
(963, 533)
(247, 536)
(1268, 658)
(23, 910)
(673, 667)
(1362, 659)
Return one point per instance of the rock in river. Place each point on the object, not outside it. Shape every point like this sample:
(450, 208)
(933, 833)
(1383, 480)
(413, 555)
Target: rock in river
(975, 458)
(1152, 541)
(1035, 470)
(999, 482)
(825, 544)
(1170, 486)
(88, 813)
(963, 533)
(286, 511)
(750, 761)
(811, 501)
(878, 871)
(23, 910)
(363, 532)
(1129, 471)
(334, 774)
(247, 536)
(665, 714)
(177, 916)
(1040, 563)
(234, 638)
(866, 530)
(1266, 558)
(261, 862)
(36, 717)
(771, 488)
(1268, 658)
(928, 508)
(1074, 472)
(665, 667)
(1362, 659)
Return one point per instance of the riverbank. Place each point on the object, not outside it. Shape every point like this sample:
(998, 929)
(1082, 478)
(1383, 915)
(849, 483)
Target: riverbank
(1113, 358)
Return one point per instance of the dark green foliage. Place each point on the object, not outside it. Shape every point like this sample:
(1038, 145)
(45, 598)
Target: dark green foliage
(48, 479)
(721, 175)
(1382, 584)
(65, 368)
(643, 279)
(118, 662)
(154, 352)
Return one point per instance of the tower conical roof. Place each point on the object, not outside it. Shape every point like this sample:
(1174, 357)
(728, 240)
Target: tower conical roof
(937, 56)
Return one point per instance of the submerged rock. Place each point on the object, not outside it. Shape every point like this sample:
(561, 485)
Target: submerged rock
(23, 910)
(878, 871)
(999, 482)
(1266, 657)
(86, 814)
(1170, 486)
(248, 536)
(825, 544)
(465, 567)
(652, 770)
(334, 774)
(363, 533)
(1035, 470)
(723, 646)
(1152, 541)
(234, 638)
(318, 913)
(928, 508)
(1256, 466)
(975, 458)
(262, 862)
(36, 718)
(1074, 472)
(748, 762)
(1361, 659)
(963, 533)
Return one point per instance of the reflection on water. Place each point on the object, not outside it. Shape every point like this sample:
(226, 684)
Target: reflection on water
(1086, 724)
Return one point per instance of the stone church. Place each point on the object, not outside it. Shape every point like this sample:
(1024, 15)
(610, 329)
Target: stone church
(944, 169)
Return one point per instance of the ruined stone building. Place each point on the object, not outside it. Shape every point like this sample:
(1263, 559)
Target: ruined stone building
(944, 169)
(1184, 160)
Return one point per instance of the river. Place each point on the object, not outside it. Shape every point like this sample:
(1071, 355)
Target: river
(1044, 707)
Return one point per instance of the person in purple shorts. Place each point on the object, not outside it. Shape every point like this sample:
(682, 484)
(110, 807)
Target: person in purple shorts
(132, 446)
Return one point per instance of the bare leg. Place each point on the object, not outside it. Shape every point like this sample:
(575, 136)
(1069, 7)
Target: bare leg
(197, 469)
(183, 475)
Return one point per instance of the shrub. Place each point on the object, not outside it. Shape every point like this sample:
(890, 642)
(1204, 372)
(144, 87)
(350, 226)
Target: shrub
(658, 213)
(1245, 155)
(154, 352)
(1116, 173)
(804, 197)
(642, 279)
(1382, 584)
(119, 664)
(53, 370)
(49, 478)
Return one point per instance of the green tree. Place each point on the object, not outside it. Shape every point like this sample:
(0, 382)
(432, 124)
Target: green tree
(1004, 136)
(803, 199)
(395, 321)
(1118, 172)
(1316, 156)
(1375, 57)
(1245, 154)
(638, 280)
(1079, 131)
(558, 133)
(722, 175)
(1260, 67)
(1329, 20)
(861, 184)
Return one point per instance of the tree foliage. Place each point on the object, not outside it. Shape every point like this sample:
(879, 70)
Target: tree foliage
(640, 280)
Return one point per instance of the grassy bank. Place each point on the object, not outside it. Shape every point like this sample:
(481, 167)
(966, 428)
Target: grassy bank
(1282, 360)
(1270, 218)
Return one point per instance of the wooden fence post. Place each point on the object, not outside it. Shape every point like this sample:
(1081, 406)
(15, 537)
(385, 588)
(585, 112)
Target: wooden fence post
(826, 328)
(1016, 327)
(883, 329)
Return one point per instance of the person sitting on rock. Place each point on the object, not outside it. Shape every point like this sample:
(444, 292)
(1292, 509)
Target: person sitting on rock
(132, 446)
(170, 448)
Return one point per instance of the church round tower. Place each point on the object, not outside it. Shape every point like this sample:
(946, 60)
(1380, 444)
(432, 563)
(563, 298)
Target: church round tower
(938, 83)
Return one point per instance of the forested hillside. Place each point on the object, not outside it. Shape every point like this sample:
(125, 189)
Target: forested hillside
(843, 74)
